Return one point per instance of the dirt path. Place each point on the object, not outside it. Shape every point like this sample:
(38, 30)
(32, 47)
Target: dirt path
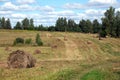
(72, 51)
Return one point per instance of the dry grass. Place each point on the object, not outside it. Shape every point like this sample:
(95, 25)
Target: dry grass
(81, 52)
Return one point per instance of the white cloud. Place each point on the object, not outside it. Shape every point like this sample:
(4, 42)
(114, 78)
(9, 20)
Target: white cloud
(26, 7)
(8, 6)
(62, 13)
(13, 7)
(73, 6)
(118, 9)
(26, 1)
(92, 4)
(45, 8)
(18, 16)
(94, 12)
(103, 1)
(3, 0)
(5, 12)
(82, 15)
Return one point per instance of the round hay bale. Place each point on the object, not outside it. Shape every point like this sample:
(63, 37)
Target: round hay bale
(65, 38)
(20, 59)
(37, 51)
(89, 42)
(7, 49)
(54, 46)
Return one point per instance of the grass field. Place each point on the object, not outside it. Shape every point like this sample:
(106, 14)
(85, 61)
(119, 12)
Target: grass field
(77, 56)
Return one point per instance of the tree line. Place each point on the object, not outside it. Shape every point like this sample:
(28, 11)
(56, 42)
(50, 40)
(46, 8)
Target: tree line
(110, 25)
(5, 24)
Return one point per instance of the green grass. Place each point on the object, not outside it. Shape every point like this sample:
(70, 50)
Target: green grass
(100, 75)
(94, 75)
(66, 74)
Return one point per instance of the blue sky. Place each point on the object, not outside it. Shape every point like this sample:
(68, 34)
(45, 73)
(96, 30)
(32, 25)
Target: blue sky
(46, 12)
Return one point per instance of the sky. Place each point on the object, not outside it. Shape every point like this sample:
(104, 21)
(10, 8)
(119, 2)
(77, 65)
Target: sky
(46, 12)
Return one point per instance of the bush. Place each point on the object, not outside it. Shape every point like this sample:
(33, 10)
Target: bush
(38, 40)
(18, 41)
(28, 41)
(103, 34)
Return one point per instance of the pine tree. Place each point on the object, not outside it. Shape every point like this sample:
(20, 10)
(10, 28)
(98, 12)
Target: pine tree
(3, 23)
(0, 24)
(25, 23)
(61, 24)
(38, 40)
(31, 24)
(96, 26)
(83, 26)
(8, 24)
(117, 24)
(71, 25)
(18, 25)
(109, 20)
(102, 31)
(89, 27)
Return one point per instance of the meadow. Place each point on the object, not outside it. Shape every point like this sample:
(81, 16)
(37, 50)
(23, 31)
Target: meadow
(77, 56)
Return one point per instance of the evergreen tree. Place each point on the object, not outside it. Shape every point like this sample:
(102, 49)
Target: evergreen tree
(31, 24)
(0, 24)
(102, 32)
(38, 40)
(86, 26)
(109, 21)
(76, 28)
(89, 27)
(117, 24)
(3, 23)
(96, 26)
(25, 23)
(61, 24)
(71, 25)
(8, 24)
(83, 27)
(18, 25)
(51, 28)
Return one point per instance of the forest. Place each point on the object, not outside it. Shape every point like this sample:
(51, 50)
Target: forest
(109, 25)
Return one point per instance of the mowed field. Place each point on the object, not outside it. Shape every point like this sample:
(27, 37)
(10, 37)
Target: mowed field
(64, 56)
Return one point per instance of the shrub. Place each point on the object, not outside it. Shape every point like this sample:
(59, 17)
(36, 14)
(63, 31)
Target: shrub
(28, 41)
(103, 34)
(38, 40)
(18, 41)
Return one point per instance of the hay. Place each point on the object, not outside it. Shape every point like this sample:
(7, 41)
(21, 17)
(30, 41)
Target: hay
(7, 49)
(37, 51)
(20, 59)
(54, 46)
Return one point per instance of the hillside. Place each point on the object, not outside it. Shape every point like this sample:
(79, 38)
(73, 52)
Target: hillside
(64, 56)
